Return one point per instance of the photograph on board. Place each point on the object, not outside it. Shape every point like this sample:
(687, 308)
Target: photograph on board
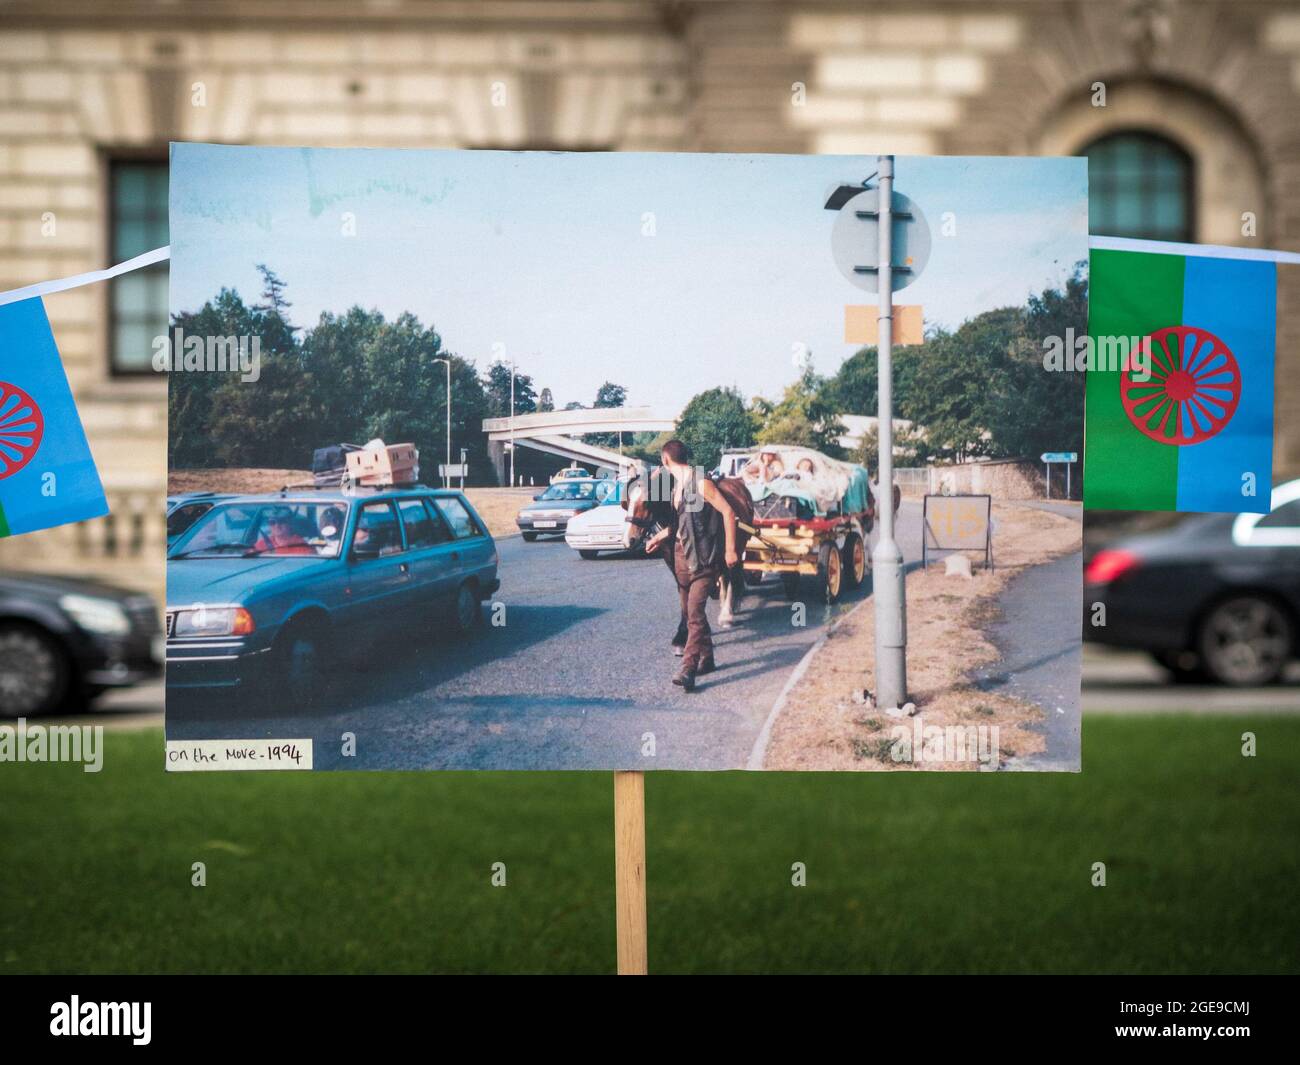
(532, 460)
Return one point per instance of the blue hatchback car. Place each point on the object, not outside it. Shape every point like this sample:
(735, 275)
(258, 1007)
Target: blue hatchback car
(277, 585)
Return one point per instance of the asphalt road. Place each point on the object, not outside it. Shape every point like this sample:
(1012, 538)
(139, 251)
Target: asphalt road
(1124, 682)
(1037, 634)
(578, 676)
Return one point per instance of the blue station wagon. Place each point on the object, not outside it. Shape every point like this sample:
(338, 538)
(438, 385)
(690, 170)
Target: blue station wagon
(275, 586)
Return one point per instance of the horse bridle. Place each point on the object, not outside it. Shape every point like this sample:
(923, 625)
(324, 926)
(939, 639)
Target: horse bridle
(648, 526)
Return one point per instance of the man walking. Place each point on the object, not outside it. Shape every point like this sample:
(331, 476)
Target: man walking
(705, 544)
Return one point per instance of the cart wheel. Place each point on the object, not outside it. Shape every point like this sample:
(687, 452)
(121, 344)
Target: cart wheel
(830, 573)
(790, 582)
(753, 577)
(855, 560)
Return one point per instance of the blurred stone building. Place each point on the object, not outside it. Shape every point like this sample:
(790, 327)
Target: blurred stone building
(1188, 109)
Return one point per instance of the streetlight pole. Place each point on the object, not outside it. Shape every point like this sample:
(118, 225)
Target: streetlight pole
(446, 469)
(887, 559)
(512, 423)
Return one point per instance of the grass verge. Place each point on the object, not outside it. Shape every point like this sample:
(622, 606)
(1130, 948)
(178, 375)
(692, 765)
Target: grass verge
(390, 872)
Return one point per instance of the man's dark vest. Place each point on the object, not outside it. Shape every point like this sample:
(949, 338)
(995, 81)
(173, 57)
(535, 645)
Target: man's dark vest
(700, 532)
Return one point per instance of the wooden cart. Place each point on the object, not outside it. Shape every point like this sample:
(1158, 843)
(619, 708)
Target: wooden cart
(831, 551)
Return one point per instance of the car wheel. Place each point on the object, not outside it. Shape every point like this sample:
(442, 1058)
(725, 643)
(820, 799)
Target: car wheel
(467, 613)
(830, 573)
(35, 674)
(529, 537)
(588, 555)
(301, 662)
(1245, 641)
(855, 560)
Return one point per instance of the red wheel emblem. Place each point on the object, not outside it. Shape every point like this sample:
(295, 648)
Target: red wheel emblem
(1192, 391)
(21, 429)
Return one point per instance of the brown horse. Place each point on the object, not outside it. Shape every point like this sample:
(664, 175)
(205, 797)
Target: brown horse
(648, 500)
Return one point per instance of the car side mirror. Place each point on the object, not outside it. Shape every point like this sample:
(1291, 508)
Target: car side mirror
(364, 553)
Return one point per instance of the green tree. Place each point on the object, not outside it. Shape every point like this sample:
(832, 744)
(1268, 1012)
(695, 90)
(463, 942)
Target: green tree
(853, 388)
(496, 383)
(1046, 412)
(545, 402)
(982, 391)
(403, 391)
(805, 415)
(712, 422)
(608, 395)
(278, 330)
(190, 396)
(202, 405)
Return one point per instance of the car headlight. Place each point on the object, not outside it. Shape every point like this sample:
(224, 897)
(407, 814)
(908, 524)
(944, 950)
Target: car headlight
(213, 621)
(96, 615)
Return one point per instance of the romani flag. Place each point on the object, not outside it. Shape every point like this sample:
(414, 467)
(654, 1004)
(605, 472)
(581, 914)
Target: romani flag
(47, 475)
(1196, 432)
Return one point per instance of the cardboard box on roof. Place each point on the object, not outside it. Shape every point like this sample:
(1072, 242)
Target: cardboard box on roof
(382, 464)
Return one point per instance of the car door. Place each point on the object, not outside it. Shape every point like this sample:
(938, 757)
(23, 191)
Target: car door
(1272, 545)
(474, 548)
(435, 557)
(378, 568)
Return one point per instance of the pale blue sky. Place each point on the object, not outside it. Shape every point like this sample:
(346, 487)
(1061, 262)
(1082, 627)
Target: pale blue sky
(544, 254)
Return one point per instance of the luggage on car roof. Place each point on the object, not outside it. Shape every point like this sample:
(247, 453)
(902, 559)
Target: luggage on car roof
(328, 464)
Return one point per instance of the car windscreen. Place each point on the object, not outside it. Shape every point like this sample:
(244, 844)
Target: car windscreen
(183, 516)
(571, 490)
(283, 528)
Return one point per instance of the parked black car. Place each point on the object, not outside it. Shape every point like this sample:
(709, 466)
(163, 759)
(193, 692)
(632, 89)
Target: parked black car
(64, 641)
(1216, 597)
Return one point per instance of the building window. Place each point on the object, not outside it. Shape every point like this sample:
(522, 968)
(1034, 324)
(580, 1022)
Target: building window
(138, 300)
(1139, 185)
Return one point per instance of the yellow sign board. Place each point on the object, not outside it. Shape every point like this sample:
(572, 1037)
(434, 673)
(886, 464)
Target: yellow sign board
(862, 324)
(957, 523)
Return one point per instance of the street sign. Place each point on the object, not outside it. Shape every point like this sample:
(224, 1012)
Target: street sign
(1068, 458)
(957, 523)
(855, 240)
(456, 469)
(862, 324)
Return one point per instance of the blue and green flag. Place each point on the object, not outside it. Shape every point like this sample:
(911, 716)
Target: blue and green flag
(47, 474)
(1180, 416)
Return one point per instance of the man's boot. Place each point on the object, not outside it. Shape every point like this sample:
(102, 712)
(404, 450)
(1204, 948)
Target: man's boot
(685, 679)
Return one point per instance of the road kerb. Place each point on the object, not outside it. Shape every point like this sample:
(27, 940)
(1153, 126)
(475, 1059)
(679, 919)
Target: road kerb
(759, 751)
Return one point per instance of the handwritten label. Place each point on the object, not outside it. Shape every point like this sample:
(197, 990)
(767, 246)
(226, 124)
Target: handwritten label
(189, 756)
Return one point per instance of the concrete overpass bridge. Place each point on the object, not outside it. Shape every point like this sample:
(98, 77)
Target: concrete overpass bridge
(555, 433)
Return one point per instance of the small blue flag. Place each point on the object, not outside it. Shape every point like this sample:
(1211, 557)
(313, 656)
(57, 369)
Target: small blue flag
(47, 474)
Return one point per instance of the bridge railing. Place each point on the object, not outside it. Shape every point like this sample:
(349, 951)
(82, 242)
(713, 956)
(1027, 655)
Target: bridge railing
(586, 420)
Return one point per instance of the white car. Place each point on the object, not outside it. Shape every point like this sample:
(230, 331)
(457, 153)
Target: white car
(596, 530)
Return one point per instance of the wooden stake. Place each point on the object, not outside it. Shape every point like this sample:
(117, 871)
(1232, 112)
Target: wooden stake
(629, 873)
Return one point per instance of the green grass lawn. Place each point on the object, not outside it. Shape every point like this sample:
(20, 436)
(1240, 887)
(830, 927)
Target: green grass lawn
(389, 872)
